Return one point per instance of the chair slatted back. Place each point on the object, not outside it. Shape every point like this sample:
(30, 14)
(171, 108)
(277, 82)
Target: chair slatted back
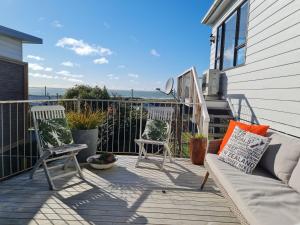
(45, 112)
(163, 114)
(160, 113)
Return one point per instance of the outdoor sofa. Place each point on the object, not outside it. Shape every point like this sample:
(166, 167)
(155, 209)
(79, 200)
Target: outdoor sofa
(261, 198)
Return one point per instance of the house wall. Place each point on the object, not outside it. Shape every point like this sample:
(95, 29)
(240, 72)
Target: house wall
(10, 48)
(266, 89)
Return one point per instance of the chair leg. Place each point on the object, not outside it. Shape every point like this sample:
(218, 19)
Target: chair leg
(204, 180)
(140, 155)
(169, 153)
(144, 151)
(164, 159)
(47, 173)
(39, 163)
(77, 166)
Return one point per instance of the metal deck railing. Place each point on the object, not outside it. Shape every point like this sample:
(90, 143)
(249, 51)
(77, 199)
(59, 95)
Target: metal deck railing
(124, 121)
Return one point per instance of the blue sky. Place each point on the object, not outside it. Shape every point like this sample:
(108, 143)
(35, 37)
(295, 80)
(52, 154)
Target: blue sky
(122, 44)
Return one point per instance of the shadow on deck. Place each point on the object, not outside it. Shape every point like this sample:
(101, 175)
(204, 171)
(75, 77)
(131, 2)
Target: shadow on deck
(121, 195)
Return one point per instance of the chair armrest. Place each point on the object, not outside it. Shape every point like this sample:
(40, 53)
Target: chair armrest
(214, 146)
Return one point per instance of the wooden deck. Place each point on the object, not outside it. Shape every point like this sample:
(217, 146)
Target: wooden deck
(121, 195)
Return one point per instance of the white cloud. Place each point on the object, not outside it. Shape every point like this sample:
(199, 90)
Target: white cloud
(68, 74)
(35, 67)
(75, 80)
(38, 58)
(56, 24)
(133, 75)
(82, 48)
(38, 67)
(48, 69)
(69, 64)
(41, 75)
(112, 77)
(47, 76)
(101, 60)
(154, 52)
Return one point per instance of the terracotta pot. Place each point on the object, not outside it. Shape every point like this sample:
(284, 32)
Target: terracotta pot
(197, 148)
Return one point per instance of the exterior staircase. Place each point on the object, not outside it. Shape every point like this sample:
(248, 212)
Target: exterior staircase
(220, 115)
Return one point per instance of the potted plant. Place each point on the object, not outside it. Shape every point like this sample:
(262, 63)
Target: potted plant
(102, 161)
(197, 147)
(84, 126)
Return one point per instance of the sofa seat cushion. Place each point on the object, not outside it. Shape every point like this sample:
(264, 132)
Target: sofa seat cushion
(262, 199)
(282, 155)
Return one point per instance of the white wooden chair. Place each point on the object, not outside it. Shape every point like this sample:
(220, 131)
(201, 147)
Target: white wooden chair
(163, 114)
(47, 115)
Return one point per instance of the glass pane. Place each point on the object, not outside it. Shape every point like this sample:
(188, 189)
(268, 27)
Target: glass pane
(217, 64)
(229, 41)
(219, 40)
(243, 23)
(240, 56)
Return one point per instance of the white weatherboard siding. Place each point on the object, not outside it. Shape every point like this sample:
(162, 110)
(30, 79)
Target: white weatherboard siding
(10, 48)
(266, 89)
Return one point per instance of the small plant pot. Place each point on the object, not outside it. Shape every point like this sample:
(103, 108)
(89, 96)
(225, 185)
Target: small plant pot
(100, 166)
(197, 148)
(88, 137)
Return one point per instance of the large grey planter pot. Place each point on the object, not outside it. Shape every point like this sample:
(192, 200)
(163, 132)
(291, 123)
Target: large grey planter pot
(88, 137)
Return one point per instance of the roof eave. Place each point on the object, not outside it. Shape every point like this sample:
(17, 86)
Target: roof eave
(216, 11)
(23, 37)
(210, 12)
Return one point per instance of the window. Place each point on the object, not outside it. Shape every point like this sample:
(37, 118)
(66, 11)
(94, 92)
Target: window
(231, 39)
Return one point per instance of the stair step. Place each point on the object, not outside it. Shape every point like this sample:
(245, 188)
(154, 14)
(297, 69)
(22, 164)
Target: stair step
(216, 135)
(220, 116)
(218, 125)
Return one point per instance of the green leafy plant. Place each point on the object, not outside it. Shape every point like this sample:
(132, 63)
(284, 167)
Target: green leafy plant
(187, 136)
(87, 92)
(85, 120)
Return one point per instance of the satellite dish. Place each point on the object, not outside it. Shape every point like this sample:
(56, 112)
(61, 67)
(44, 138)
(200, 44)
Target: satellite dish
(169, 86)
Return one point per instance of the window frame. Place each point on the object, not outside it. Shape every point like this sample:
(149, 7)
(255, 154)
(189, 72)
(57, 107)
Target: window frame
(237, 33)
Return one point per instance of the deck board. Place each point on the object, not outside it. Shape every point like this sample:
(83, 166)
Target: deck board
(121, 195)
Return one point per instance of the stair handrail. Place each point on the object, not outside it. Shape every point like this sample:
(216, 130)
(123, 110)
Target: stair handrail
(204, 121)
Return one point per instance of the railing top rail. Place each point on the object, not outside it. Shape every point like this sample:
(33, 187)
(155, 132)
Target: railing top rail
(142, 101)
(34, 101)
(200, 96)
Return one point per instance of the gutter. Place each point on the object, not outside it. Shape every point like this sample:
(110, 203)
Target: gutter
(211, 11)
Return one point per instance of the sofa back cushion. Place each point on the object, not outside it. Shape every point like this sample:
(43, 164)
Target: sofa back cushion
(282, 156)
(294, 181)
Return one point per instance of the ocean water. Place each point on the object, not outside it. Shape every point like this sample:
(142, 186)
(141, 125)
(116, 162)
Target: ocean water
(39, 93)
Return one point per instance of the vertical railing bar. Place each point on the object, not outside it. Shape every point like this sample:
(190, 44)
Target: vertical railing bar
(2, 143)
(119, 110)
(124, 138)
(113, 128)
(130, 117)
(136, 127)
(101, 130)
(107, 137)
(17, 107)
(30, 136)
(181, 111)
(24, 136)
(10, 161)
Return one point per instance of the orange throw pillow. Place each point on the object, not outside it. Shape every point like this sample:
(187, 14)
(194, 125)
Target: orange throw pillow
(253, 128)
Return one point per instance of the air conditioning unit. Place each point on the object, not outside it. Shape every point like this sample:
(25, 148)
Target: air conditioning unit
(211, 83)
